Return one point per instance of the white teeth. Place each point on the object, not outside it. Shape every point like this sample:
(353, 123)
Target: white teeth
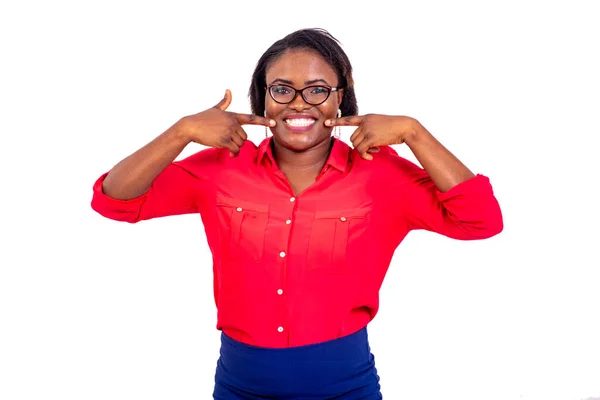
(300, 121)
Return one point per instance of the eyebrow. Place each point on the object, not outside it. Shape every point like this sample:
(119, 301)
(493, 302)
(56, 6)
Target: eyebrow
(310, 82)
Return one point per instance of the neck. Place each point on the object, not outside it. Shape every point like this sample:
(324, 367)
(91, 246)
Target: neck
(311, 160)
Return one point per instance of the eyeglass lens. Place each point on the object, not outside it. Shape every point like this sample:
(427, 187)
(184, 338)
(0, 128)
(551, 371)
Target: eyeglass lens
(312, 94)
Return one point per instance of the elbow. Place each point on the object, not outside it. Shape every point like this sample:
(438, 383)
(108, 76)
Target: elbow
(121, 210)
(490, 230)
(494, 221)
(115, 214)
(497, 226)
(490, 225)
(475, 217)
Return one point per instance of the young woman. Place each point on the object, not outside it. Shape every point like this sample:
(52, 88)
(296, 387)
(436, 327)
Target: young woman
(302, 227)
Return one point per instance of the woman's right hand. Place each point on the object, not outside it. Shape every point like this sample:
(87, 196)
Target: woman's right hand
(217, 127)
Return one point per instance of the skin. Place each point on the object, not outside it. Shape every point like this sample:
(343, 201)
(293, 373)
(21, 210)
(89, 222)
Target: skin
(300, 156)
(215, 127)
(374, 130)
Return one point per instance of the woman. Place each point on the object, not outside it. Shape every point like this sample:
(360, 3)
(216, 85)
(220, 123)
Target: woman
(302, 228)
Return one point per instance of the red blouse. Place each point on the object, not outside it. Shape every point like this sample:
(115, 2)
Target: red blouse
(295, 270)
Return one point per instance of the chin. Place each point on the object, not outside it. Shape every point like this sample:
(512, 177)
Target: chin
(299, 141)
(295, 143)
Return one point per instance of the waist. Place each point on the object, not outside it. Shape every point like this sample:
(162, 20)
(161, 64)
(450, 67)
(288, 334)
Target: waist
(260, 330)
(332, 367)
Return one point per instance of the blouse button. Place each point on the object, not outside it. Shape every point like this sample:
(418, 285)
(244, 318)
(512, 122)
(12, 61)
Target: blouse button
(238, 209)
(292, 199)
(343, 219)
(282, 254)
(280, 329)
(289, 221)
(280, 292)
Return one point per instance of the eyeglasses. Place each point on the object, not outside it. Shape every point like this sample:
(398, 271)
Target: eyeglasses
(313, 95)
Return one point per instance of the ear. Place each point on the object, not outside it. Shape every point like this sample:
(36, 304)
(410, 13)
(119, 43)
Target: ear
(340, 94)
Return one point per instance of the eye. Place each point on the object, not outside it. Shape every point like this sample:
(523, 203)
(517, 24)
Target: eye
(319, 90)
(281, 89)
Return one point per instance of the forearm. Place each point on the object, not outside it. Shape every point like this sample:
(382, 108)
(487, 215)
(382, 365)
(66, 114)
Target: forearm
(133, 176)
(445, 170)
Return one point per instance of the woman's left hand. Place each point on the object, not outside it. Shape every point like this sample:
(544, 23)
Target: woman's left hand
(376, 130)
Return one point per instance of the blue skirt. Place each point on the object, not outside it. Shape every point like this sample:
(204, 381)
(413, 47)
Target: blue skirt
(340, 369)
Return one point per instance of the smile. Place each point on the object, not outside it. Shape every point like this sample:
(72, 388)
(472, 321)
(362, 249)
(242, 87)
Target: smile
(300, 122)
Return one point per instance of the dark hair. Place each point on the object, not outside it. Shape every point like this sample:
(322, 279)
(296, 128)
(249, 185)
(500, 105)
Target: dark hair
(319, 41)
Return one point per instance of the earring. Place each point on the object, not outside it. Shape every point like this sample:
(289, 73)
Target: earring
(266, 129)
(337, 131)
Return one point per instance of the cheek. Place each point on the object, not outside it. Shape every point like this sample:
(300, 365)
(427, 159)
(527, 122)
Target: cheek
(273, 109)
(329, 109)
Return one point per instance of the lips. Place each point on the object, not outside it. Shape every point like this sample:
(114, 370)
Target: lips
(299, 122)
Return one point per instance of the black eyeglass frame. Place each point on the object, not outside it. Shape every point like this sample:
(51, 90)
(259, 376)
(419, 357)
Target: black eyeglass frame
(301, 91)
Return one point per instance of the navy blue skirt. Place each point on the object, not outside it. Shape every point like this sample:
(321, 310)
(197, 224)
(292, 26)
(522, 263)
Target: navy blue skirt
(340, 369)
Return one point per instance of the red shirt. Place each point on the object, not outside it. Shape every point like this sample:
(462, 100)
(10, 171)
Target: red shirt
(296, 270)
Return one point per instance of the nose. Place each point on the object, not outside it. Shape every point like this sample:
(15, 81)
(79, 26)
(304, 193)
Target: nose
(298, 103)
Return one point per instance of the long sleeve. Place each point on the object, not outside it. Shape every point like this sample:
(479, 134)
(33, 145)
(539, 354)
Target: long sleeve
(468, 211)
(175, 191)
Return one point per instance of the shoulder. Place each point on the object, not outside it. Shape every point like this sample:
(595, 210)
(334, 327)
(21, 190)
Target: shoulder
(199, 160)
(388, 163)
(210, 158)
(391, 171)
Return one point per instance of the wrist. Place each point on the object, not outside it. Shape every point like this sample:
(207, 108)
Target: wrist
(413, 132)
(179, 132)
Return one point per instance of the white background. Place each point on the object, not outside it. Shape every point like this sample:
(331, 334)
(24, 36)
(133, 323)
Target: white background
(95, 309)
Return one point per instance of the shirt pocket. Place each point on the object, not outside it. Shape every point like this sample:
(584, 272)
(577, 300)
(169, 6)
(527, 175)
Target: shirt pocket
(242, 225)
(331, 234)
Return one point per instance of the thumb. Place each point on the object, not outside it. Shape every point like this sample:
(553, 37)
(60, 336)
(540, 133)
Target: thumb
(225, 102)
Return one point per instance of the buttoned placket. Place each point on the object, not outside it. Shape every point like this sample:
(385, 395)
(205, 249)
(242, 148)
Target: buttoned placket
(283, 255)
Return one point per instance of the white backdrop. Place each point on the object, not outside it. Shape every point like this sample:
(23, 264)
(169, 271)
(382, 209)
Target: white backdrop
(95, 309)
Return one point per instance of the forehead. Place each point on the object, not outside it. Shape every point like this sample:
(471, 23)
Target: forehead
(299, 66)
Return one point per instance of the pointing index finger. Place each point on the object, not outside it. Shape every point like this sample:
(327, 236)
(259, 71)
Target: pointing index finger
(351, 120)
(253, 119)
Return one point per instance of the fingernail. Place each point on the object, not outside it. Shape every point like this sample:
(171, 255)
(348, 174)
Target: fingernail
(328, 122)
(272, 122)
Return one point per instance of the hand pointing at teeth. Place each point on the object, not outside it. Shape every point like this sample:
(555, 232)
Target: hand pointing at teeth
(217, 127)
(376, 130)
